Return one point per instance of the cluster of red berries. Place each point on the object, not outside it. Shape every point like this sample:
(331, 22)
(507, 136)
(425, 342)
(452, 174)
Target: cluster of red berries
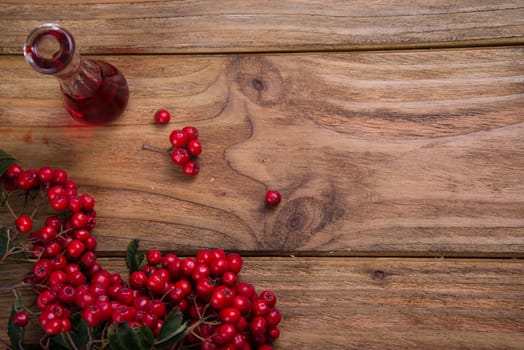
(221, 311)
(185, 146)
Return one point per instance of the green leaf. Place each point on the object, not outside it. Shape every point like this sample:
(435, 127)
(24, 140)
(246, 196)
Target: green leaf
(135, 260)
(14, 332)
(171, 331)
(145, 338)
(122, 337)
(5, 161)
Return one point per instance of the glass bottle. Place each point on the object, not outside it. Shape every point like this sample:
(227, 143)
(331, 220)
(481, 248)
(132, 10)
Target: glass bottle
(95, 92)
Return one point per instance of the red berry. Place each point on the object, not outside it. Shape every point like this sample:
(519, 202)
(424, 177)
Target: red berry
(75, 204)
(218, 267)
(88, 201)
(178, 138)
(53, 326)
(273, 317)
(229, 315)
(273, 197)
(222, 297)
(92, 315)
(191, 168)
(191, 132)
(67, 294)
(79, 220)
(224, 334)
(14, 171)
(259, 307)
(60, 176)
(75, 249)
(180, 156)
(200, 271)
(123, 313)
(125, 296)
(20, 318)
(59, 202)
(242, 304)
(24, 224)
(187, 266)
(42, 269)
(137, 279)
(154, 257)
(204, 288)
(235, 262)
(162, 116)
(258, 325)
(229, 279)
(194, 147)
(157, 308)
(269, 297)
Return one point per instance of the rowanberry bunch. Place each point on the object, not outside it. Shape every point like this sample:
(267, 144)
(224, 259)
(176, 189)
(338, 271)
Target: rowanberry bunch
(167, 301)
(185, 147)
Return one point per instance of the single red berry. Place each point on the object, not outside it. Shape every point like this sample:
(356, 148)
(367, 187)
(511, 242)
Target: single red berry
(59, 202)
(156, 283)
(14, 171)
(224, 334)
(178, 138)
(229, 279)
(137, 279)
(88, 259)
(222, 297)
(259, 307)
(24, 224)
(258, 325)
(180, 156)
(187, 266)
(60, 176)
(53, 326)
(203, 256)
(42, 269)
(194, 147)
(57, 277)
(92, 315)
(75, 204)
(167, 259)
(154, 257)
(47, 297)
(265, 347)
(218, 267)
(162, 116)
(246, 289)
(235, 262)
(46, 234)
(204, 288)
(200, 271)
(46, 174)
(157, 308)
(76, 278)
(229, 315)
(123, 313)
(79, 220)
(242, 304)
(125, 296)
(67, 294)
(273, 197)
(269, 297)
(273, 317)
(20, 318)
(89, 202)
(58, 261)
(191, 168)
(75, 249)
(191, 132)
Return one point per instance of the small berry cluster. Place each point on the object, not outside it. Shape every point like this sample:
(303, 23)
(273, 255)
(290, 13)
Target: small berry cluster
(186, 146)
(219, 310)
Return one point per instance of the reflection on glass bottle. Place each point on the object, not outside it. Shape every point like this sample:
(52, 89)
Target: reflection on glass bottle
(95, 92)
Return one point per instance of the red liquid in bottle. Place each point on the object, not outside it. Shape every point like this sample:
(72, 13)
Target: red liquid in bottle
(95, 92)
(106, 103)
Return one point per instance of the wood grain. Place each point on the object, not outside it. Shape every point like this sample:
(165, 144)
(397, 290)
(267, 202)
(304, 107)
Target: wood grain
(341, 303)
(240, 26)
(405, 153)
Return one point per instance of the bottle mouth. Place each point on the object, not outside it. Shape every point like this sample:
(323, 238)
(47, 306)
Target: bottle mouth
(49, 48)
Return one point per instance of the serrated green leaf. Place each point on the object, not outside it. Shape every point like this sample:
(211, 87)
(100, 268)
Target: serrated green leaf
(5, 161)
(145, 338)
(122, 337)
(14, 332)
(131, 261)
(171, 331)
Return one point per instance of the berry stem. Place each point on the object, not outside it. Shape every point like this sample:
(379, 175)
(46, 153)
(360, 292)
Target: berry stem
(155, 149)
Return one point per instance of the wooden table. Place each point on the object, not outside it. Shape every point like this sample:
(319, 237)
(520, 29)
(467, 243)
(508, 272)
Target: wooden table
(393, 129)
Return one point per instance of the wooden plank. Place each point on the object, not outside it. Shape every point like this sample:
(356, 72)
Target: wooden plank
(341, 303)
(247, 26)
(405, 153)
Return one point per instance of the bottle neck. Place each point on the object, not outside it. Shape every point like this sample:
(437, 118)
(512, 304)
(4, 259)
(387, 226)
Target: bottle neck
(50, 49)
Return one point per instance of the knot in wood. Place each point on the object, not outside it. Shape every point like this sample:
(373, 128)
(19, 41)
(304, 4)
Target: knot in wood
(259, 80)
